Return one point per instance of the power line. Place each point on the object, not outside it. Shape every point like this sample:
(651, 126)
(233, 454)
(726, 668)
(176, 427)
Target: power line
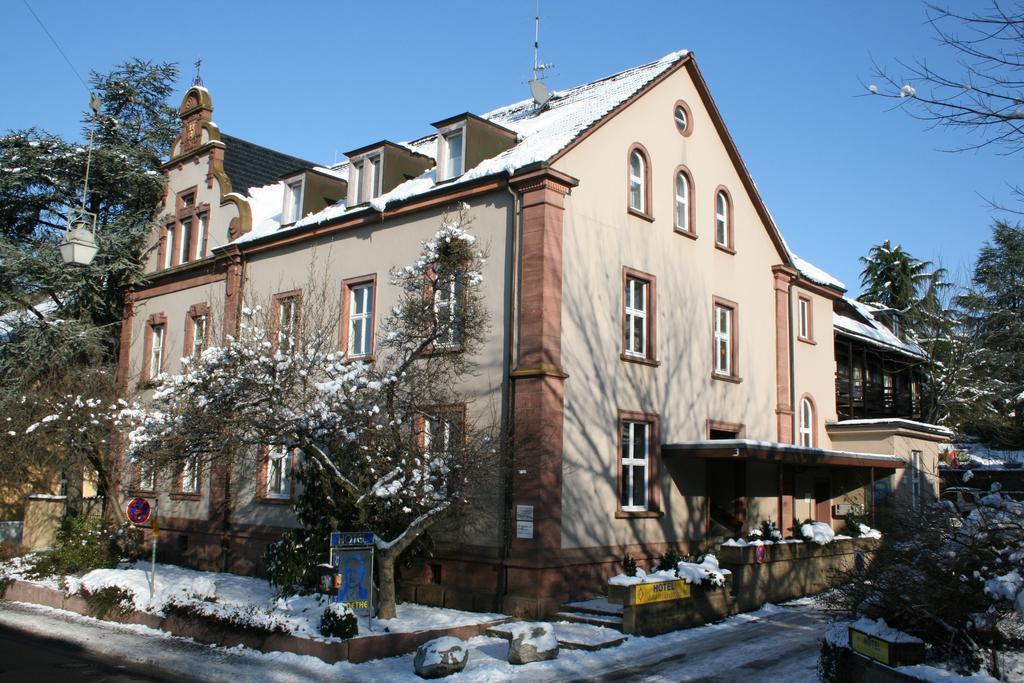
(57, 45)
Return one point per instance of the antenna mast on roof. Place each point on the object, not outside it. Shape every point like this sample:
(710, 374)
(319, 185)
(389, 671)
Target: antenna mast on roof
(540, 92)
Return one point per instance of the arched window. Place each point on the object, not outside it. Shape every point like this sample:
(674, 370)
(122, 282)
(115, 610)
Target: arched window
(683, 202)
(806, 423)
(637, 181)
(723, 220)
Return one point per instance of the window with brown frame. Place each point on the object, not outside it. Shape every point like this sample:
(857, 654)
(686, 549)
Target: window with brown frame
(806, 432)
(638, 464)
(638, 182)
(276, 479)
(197, 330)
(358, 307)
(725, 340)
(186, 481)
(185, 235)
(724, 220)
(639, 316)
(685, 213)
(287, 319)
(155, 344)
(683, 118)
(441, 430)
(805, 321)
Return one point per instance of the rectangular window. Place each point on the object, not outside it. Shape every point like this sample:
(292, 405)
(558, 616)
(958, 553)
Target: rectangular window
(201, 238)
(287, 324)
(375, 183)
(635, 466)
(279, 472)
(188, 200)
(293, 202)
(358, 183)
(805, 329)
(156, 350)
(915, 479)
(453, 151)
(147, 476)
(447, 293)
(169, 247)
(189, 481)
(635, 317)
(360, 320)
(724, 340)
(440, 429)
(198, 335)
(185, 252)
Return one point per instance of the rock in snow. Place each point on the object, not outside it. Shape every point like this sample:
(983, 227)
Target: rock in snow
(440, 657)
(532, 642)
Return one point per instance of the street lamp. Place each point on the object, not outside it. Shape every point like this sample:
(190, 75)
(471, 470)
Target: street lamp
(79, 245)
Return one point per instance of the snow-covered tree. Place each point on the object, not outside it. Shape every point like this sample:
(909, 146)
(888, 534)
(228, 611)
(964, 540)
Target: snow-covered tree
(956, 582)
(380, 433)
(894, 279)
(993, 312)
(59, 325)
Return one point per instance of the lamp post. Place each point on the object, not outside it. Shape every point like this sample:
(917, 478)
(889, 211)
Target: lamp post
(79, 245)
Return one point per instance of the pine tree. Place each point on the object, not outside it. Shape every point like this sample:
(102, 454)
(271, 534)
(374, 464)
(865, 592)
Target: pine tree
(60, 324)
(993, 310)
(892, 278)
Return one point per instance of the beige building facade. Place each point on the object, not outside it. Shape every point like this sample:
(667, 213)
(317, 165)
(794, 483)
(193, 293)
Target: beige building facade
(665, 365)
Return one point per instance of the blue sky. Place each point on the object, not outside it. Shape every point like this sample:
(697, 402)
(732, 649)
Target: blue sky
(837, 169)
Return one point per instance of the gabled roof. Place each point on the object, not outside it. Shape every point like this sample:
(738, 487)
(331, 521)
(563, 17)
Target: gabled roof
(545, 134)
(250, 165)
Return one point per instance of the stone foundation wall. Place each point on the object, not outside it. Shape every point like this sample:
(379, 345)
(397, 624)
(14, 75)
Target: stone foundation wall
(789, 570)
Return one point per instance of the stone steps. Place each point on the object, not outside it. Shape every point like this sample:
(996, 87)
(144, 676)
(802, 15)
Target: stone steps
(603, 620)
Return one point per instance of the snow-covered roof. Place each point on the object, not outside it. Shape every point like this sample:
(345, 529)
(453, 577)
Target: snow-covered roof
(815, 274)
(783, 448)
(865, 326)
(895, 422)
(542, 131)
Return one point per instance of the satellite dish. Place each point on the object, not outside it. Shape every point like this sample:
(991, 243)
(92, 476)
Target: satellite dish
(540, 92)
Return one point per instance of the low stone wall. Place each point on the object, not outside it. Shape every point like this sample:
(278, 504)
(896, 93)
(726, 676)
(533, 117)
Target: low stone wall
(704, 604)
(354, 650)
(788, 570)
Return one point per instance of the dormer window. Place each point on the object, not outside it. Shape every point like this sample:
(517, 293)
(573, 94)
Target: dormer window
(367, 181)
(292, 201)
(453, 153)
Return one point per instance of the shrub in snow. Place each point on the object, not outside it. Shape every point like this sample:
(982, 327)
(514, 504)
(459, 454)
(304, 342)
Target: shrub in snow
(953, 581)
(668, 561)
(250, 619)
(629, 566)
(203, 589)
(103, 601)
(338, 621)
(817, 532)
(82, 544)
(704, 571)
(440, 657)
(766, 531)
(532, 642)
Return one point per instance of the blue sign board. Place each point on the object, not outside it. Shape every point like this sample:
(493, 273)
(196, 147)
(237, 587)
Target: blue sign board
(351, 538)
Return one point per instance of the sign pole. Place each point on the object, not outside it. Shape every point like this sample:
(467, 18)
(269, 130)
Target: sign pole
(152, 561)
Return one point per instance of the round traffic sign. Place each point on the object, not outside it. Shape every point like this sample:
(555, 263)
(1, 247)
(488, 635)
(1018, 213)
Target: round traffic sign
(138, 510)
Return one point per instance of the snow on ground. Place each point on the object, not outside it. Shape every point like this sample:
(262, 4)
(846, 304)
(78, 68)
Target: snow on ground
(233, 594)
(788, 635)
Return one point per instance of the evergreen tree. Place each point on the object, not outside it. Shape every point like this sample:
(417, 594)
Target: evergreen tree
(892, 278)
(993, 312)
(61, 324)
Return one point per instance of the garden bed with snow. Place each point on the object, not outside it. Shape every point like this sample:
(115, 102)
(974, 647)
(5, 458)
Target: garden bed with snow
(230, 609)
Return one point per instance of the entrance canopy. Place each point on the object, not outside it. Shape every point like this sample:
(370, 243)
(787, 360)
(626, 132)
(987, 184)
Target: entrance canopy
(771, 451)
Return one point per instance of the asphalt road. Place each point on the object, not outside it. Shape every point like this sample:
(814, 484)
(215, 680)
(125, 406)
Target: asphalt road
(32, 659)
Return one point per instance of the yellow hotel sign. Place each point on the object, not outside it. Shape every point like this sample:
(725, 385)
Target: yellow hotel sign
(869, 646)
(662, 591)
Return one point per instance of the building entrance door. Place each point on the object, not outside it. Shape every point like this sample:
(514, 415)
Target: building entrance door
(726, 499)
